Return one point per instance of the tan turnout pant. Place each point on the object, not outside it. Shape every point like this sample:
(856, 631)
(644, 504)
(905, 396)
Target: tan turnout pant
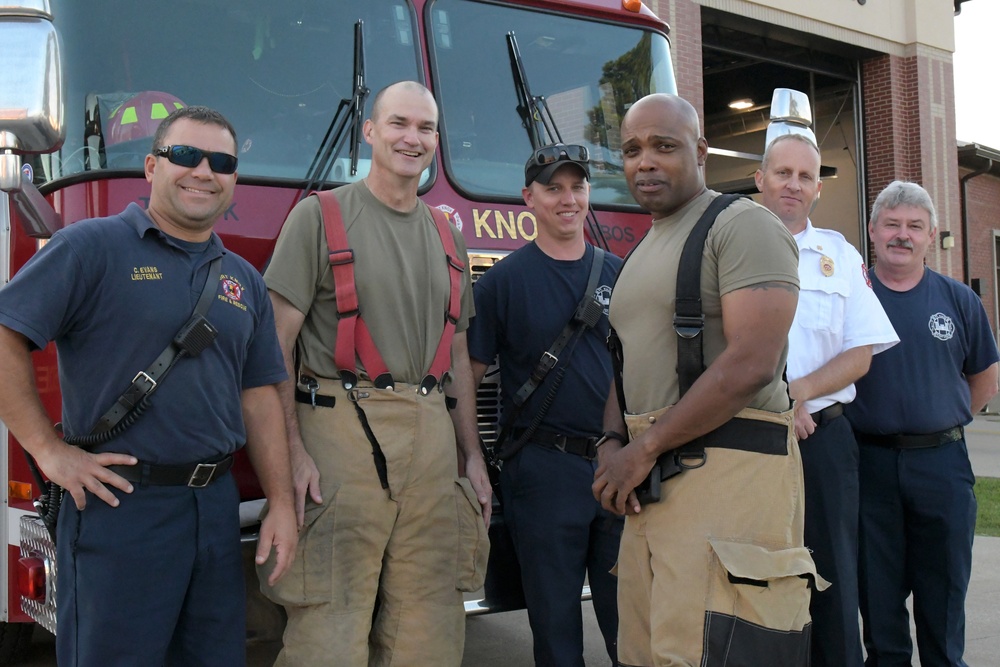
(716, 573)
(400, 546)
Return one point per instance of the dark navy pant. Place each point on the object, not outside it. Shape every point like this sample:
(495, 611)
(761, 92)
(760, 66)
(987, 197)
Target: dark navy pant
(157, 580)
(918, 516)
(561, 534)
(830, 466)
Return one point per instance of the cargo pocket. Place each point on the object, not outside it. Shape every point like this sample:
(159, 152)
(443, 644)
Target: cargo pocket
(473, 540)
(309, 579)
(758, 605)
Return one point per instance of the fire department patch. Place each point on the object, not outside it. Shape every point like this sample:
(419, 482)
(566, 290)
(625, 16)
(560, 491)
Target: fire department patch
(941, 326)
(232, 292)
(232, 289)
(864, 272)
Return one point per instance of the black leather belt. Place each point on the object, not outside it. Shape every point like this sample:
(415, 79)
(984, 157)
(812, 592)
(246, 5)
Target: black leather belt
(913, 441)
(579, 445)
(314, 399)
(323, 401)
(196, 475)
(827, 414)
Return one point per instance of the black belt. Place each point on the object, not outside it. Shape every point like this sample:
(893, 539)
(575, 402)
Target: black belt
(579, 445)
(913, 441)
(827, 414)
(323, 401)
(196, 475)
(746, 435)
(314, 399)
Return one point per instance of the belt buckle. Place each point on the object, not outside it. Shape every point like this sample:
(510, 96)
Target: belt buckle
(202, 475)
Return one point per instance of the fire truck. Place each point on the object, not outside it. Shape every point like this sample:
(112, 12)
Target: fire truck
(84, 84)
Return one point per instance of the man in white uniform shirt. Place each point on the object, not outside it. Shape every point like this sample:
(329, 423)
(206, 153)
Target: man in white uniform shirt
(838, 326)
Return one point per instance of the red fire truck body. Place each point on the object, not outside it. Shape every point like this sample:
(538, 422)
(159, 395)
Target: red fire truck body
(508, 75)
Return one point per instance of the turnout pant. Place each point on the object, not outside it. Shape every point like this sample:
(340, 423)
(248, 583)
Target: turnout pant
(716, 573)
(378, 573)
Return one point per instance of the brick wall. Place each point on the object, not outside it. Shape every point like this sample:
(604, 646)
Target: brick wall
(909, 126)
(684, 19)
(983, 218)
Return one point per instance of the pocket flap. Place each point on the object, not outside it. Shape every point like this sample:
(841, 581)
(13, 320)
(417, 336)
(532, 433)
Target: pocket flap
(743, 560)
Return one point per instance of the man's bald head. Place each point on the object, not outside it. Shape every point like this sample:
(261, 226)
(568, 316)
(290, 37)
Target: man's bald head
(663, 153)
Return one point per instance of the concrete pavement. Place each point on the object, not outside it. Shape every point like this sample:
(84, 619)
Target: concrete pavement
(982, 633)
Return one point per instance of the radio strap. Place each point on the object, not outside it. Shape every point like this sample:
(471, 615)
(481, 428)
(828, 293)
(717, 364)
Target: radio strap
(586, 316)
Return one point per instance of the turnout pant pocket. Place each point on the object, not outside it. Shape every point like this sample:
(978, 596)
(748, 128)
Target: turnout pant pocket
(758, 605)
(309, 579)
(473, 540)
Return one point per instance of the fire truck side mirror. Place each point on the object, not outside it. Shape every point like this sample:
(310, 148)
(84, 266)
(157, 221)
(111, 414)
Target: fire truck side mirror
(31, 107)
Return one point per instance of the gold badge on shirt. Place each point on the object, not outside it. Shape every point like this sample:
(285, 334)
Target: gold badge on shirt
(826, 266)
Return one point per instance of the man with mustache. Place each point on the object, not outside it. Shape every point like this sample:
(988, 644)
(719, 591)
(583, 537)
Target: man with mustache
(918, 510)
(838, 326)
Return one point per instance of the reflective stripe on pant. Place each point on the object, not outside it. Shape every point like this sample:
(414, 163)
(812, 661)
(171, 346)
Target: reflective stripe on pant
(399, 545)
(830, 465)
(715, 573)
(918, 516)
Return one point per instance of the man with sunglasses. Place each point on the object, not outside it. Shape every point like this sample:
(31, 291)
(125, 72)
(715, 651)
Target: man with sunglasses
(377, 454)
(523, 304)
(712, 568)
(148, 543)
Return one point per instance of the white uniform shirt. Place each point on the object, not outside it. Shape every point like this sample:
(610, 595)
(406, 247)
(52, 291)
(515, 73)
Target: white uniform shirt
(837, 309)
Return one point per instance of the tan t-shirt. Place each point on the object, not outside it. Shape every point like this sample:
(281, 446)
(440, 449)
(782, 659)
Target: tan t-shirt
(400, 273)
(746, 246)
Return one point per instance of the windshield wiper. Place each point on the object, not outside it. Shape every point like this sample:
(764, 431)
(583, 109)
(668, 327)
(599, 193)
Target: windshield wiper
(537, 120)
(349, 112)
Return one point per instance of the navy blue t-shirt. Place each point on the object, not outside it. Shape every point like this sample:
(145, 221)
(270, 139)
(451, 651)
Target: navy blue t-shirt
(112, 293)
(522, 304)
(919, 385)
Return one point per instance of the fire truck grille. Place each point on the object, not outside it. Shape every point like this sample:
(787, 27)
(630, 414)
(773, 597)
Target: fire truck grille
(488, 396)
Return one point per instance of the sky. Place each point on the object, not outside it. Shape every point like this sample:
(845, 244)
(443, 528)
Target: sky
(977, 90)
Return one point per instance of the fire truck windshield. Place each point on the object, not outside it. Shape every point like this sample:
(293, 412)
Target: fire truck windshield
(279, 71)
(587, 71)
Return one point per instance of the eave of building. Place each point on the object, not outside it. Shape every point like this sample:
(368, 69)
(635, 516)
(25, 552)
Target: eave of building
(975, 157)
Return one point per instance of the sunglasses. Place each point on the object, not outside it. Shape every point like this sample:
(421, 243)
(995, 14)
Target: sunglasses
(191, 157)
(550, 154)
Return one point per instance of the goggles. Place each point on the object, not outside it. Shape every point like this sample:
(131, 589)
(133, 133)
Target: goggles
(191, 157)
(549, 154)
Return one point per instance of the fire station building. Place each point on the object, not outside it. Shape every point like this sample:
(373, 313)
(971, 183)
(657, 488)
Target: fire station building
(879, 76)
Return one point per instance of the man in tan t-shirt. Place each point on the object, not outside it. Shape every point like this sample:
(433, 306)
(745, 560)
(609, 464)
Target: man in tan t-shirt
(382, 558)
(739, 515)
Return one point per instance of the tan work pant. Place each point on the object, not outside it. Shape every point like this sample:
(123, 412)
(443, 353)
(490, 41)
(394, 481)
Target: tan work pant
(717, 570)
(400, 545)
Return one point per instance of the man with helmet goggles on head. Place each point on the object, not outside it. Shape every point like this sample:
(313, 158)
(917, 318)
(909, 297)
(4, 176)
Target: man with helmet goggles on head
(523, 303)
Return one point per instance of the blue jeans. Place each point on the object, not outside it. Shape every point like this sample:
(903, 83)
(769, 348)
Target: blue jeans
(918, 516)
(561, 534)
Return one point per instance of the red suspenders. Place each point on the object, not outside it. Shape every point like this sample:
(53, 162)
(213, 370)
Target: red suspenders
(353, 336)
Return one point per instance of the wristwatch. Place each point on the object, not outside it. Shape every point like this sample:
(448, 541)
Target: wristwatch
(610, 435)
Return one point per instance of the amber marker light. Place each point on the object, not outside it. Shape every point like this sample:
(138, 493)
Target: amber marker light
(632, 5)
(19, 490)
